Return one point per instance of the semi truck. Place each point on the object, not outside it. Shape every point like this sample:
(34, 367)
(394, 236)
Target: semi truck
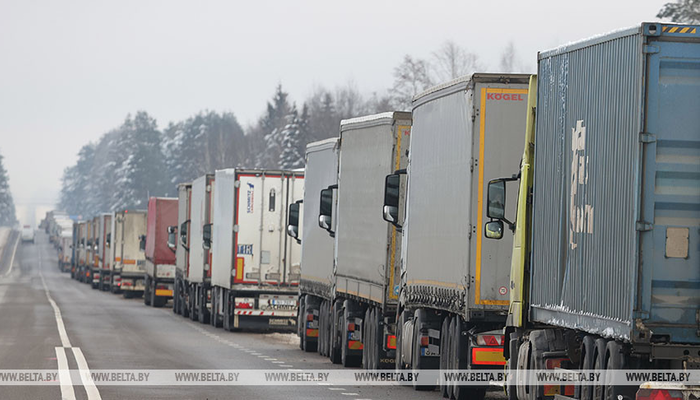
(180, 241)
(65, 250)
(90, 253)
(316, 280)
(605, 269)
(255, 267)
(80, 245)
(360, 328)
(198, 273)
(453, 290)
(160, 257)
(100, 269)
(128, 265)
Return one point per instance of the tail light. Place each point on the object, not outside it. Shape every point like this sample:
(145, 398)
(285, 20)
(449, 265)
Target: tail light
(309, 317)
(489, 340)
(659, 394)
(424, 340)
(244, 305)
(553, 363)
(351, 326)
(164, 287)
(391, 342)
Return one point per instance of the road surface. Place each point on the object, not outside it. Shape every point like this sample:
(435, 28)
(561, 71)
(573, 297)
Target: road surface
(49, 321)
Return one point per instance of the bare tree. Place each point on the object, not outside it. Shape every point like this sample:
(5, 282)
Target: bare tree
(508, 58)
(684, 11)
(410, 78)
(452, 61)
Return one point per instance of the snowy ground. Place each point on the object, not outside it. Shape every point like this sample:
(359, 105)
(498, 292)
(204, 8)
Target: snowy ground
(4, 234)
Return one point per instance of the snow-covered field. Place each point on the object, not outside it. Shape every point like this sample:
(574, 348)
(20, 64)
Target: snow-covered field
(4, 234)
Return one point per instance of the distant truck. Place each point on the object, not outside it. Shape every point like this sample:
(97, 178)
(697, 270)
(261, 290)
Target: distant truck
(316, 282)
(606, 256)
(198, 273)
(128, 265)
(90, 252)
(80, 245)
(180, 241)
(65, 251)
(100, 267)
(160, 257)
(254, 264)
(453, 292)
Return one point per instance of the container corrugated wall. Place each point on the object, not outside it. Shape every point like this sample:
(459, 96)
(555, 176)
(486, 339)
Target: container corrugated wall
(584, 258)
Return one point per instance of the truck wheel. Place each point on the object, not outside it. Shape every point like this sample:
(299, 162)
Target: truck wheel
(399, 342)
(587, 359)
(193, 302)
(216, 322)
(334, 351)
(310, 345)
(202, 311)
(512, 365)
(444, 353)
(176, 297)
(617, 361)
(321, 330)
(372, 344)
(301, 322)
(416, 359)
(128, 294)
(461, 349)
(147, 292)
(366, 339)
(347, 359)
(599, 364)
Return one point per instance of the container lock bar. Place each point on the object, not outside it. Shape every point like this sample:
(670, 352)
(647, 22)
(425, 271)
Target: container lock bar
(645, 137)
(644, 226)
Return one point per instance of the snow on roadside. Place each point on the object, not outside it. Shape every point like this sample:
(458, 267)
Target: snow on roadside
(287, 338)
(4, 234)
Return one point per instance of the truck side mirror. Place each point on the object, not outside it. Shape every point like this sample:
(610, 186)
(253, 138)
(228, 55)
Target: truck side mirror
(183, 235)
(172, 238)
(496, 208)
(142, 242)
(293, 221)
(392, 184)
(206, 236)
(493, 229)
(496, 199)
(325, 218)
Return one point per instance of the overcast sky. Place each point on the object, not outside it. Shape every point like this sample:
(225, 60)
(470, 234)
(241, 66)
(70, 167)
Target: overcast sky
(72, 70)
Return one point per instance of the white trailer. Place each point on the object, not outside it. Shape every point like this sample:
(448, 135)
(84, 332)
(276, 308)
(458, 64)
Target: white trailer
(128, 265)
(255, 268)
(198, 275)
(317, 247)
(362, 310)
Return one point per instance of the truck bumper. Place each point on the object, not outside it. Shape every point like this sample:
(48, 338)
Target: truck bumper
(285, 321)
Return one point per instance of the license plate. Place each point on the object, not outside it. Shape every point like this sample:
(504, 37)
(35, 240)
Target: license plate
(279, 321)
(283, 302)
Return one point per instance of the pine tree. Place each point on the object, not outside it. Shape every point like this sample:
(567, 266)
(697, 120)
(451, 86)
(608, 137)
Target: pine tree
(290, 157)
(7, 205)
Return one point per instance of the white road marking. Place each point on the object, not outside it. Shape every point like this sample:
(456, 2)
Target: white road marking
(294, 370)
(336, 389)
(12, 259)
(90, 388)
(350, 394)
(67, 392)
(89, 384)
(287, 366)
(65, 342)
(278, 362)
(270, 359)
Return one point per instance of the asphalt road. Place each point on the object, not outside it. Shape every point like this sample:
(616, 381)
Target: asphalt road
(88, 329)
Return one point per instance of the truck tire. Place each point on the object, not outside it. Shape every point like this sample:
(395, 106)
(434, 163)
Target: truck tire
(587, 359)
(599, 364)
(128, 294)
(366, 334)
(202, 311)
(176, 297)
(321, 329)
(460, 346)
(416, 359)
(214, 319)
(310, 345)
(512, 365)
(147, 292)
(192, 304)
(444, 353)
(301, 322)
(334, 351)
(617, 360)
(347, 359)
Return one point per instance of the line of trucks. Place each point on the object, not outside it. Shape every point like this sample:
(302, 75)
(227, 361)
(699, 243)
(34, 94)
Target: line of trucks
(433, 239)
